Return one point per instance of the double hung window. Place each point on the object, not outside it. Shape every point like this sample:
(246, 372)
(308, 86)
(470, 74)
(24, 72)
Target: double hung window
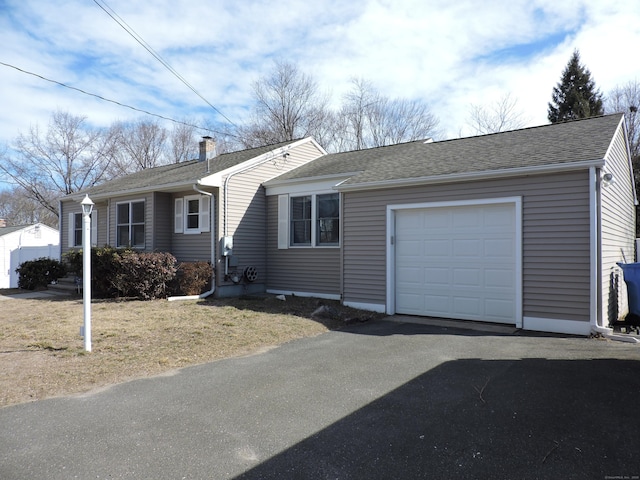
(192, 214)
(314, 220)
(76, 226)
(130, 227)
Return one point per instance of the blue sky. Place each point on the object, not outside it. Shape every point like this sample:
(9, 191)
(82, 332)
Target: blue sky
(451, 54)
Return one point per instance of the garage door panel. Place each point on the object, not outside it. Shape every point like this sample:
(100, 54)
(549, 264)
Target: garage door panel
(499, 248)
(467, 277)
(499, 310)
(439, 304)
(412, 276)
(465, 218)
(437, 276)
(467, 262)
(466, 306)
(435, 248)
(410, 248)
(467, 247)
(498, 278)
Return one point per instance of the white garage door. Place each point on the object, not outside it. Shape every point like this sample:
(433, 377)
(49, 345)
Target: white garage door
(457, 262)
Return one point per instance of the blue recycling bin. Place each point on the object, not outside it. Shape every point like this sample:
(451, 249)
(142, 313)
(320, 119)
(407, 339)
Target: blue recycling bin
(631, 272)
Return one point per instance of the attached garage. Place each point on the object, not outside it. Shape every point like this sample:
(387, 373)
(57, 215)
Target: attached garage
(523, 228)
(458, 260)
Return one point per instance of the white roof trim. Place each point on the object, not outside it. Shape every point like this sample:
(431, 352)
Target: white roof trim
(316, 185)
(625, 132)
(166, 187)
(337, 177)
(468, 176)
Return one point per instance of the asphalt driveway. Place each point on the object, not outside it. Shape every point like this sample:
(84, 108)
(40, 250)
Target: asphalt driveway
(382, 400)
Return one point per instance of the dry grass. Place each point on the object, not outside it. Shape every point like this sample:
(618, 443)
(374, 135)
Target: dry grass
(42, 354)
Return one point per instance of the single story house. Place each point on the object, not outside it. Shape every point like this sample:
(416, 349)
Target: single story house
(208, 209)
(21, 243)
(522, 227)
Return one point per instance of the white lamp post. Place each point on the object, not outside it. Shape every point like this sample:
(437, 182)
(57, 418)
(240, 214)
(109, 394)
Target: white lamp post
(87, 208)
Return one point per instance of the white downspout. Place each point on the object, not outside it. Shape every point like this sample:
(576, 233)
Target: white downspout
(213, 254)
(225, 194)
(594, 249)
(595, 245)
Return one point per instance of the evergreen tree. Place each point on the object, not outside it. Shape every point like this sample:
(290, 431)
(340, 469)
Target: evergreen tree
(576, 95)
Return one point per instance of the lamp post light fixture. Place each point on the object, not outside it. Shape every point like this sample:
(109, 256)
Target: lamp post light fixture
(87, 208)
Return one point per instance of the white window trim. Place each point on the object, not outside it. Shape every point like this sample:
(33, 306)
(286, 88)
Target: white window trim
(181, 214)
(130, 202)
(284, 221)
(72, 229)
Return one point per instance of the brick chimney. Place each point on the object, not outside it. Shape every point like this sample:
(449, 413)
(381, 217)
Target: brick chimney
(3, 223)
(207, 149)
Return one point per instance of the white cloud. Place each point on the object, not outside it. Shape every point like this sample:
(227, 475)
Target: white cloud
(450, 54)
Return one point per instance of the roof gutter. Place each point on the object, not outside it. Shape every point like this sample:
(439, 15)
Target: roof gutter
(469, 176)
(78, 196)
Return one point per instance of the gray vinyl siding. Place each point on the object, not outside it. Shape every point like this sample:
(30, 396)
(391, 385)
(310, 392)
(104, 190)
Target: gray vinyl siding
(310, 270)
(617, 229)
(188, 247)
(247, 208)
(556, 234)
(163, 221)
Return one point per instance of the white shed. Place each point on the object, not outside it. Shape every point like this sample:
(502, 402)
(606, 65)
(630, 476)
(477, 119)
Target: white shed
(21, 243)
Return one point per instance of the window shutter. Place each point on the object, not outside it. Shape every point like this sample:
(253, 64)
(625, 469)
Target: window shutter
(205, 213)
(178, 221)
(283, 221)
(71, 230)
(94, 228)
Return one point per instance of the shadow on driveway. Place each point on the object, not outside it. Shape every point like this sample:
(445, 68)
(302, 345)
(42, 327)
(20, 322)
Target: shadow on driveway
(486, 419)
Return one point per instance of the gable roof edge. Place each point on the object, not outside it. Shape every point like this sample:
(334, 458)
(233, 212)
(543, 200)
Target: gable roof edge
(623, 125)
(462, 177)
(215, 179)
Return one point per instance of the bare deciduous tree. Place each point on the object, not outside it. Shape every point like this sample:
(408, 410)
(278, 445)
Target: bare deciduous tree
(373, 120)
(183, 143)
(288, 105)
(141, 145)
(626, 99)
(18, 209)
(66, 158)
(497, 117)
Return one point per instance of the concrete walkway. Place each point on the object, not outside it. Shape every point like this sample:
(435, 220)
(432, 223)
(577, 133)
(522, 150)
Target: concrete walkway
(382, 400)
(35, 294)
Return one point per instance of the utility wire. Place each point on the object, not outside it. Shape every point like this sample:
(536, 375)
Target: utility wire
(109, 11)
(114, 101)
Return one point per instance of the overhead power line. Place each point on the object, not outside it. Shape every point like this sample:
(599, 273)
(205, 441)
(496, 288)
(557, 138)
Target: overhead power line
(114, 101)
(116, 18)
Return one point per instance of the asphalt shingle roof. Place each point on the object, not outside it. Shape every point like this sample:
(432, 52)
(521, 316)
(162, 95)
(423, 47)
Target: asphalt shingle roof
(177, 173)
(13, 228)
(562, 143)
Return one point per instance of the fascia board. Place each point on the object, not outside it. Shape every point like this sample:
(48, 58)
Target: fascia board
(464, 177)
(168, 187)
(308, 186)
(623, 126)
(295, 185)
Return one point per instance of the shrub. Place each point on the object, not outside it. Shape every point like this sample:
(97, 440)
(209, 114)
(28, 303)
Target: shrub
(123, 272)
(143, 275)
(193, 277)
(104, 267)
(39, 273)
